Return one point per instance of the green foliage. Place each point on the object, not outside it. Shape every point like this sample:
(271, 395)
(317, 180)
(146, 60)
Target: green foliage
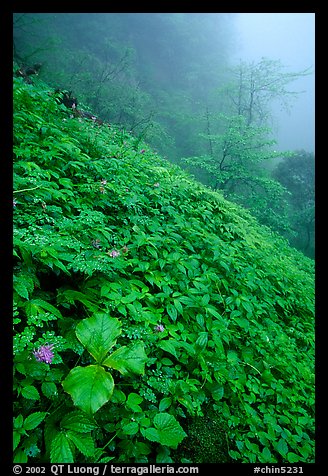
(239, 141)
(147, 87)
(160, 300)
(235, 165)
(296, 174)
(91, 386)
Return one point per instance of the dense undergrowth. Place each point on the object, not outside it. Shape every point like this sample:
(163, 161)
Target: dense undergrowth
(153, 320)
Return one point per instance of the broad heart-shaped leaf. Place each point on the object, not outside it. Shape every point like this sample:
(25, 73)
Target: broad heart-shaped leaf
(167, 431)
(90, 387)
(128, 359)
(98, 334)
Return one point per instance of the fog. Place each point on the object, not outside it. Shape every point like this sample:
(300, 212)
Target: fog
(289, 37)
(198, 88)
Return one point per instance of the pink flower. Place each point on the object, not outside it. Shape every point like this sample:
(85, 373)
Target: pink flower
(114, 253)
(44, 353)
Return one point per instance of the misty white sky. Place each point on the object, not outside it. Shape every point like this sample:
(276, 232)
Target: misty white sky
(289, 37)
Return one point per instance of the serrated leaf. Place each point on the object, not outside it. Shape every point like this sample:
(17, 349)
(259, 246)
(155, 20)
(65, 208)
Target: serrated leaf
(49, 389)
(33, 420)
(128, 359)
(21, 289)
(30, 392)
(83, 442)
(98, 334)
(61, 451)
(170, 433)
(130, 428)
(90, 387)
(78, 421)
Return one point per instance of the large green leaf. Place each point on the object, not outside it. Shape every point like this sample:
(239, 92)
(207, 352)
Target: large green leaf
(78, 421)
(90, 387)
(128, 359)
(98, 334)
(61, 451)
(167, 430)
(83, 442)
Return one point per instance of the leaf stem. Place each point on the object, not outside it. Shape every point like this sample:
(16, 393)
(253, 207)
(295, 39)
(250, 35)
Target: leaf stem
(109, 441)
(26, 189)
(245, 363)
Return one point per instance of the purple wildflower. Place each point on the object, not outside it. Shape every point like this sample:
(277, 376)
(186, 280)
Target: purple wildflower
(114, 253)
(159, 328)
(44, 353)
(142, 151)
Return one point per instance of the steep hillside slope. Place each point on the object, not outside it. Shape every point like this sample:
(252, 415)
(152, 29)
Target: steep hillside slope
(154, 320)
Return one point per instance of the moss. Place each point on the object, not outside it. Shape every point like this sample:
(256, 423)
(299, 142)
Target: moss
(207, 440)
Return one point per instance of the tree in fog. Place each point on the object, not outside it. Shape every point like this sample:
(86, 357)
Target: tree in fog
(296, 174)
(255, 86)
(240, 141)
